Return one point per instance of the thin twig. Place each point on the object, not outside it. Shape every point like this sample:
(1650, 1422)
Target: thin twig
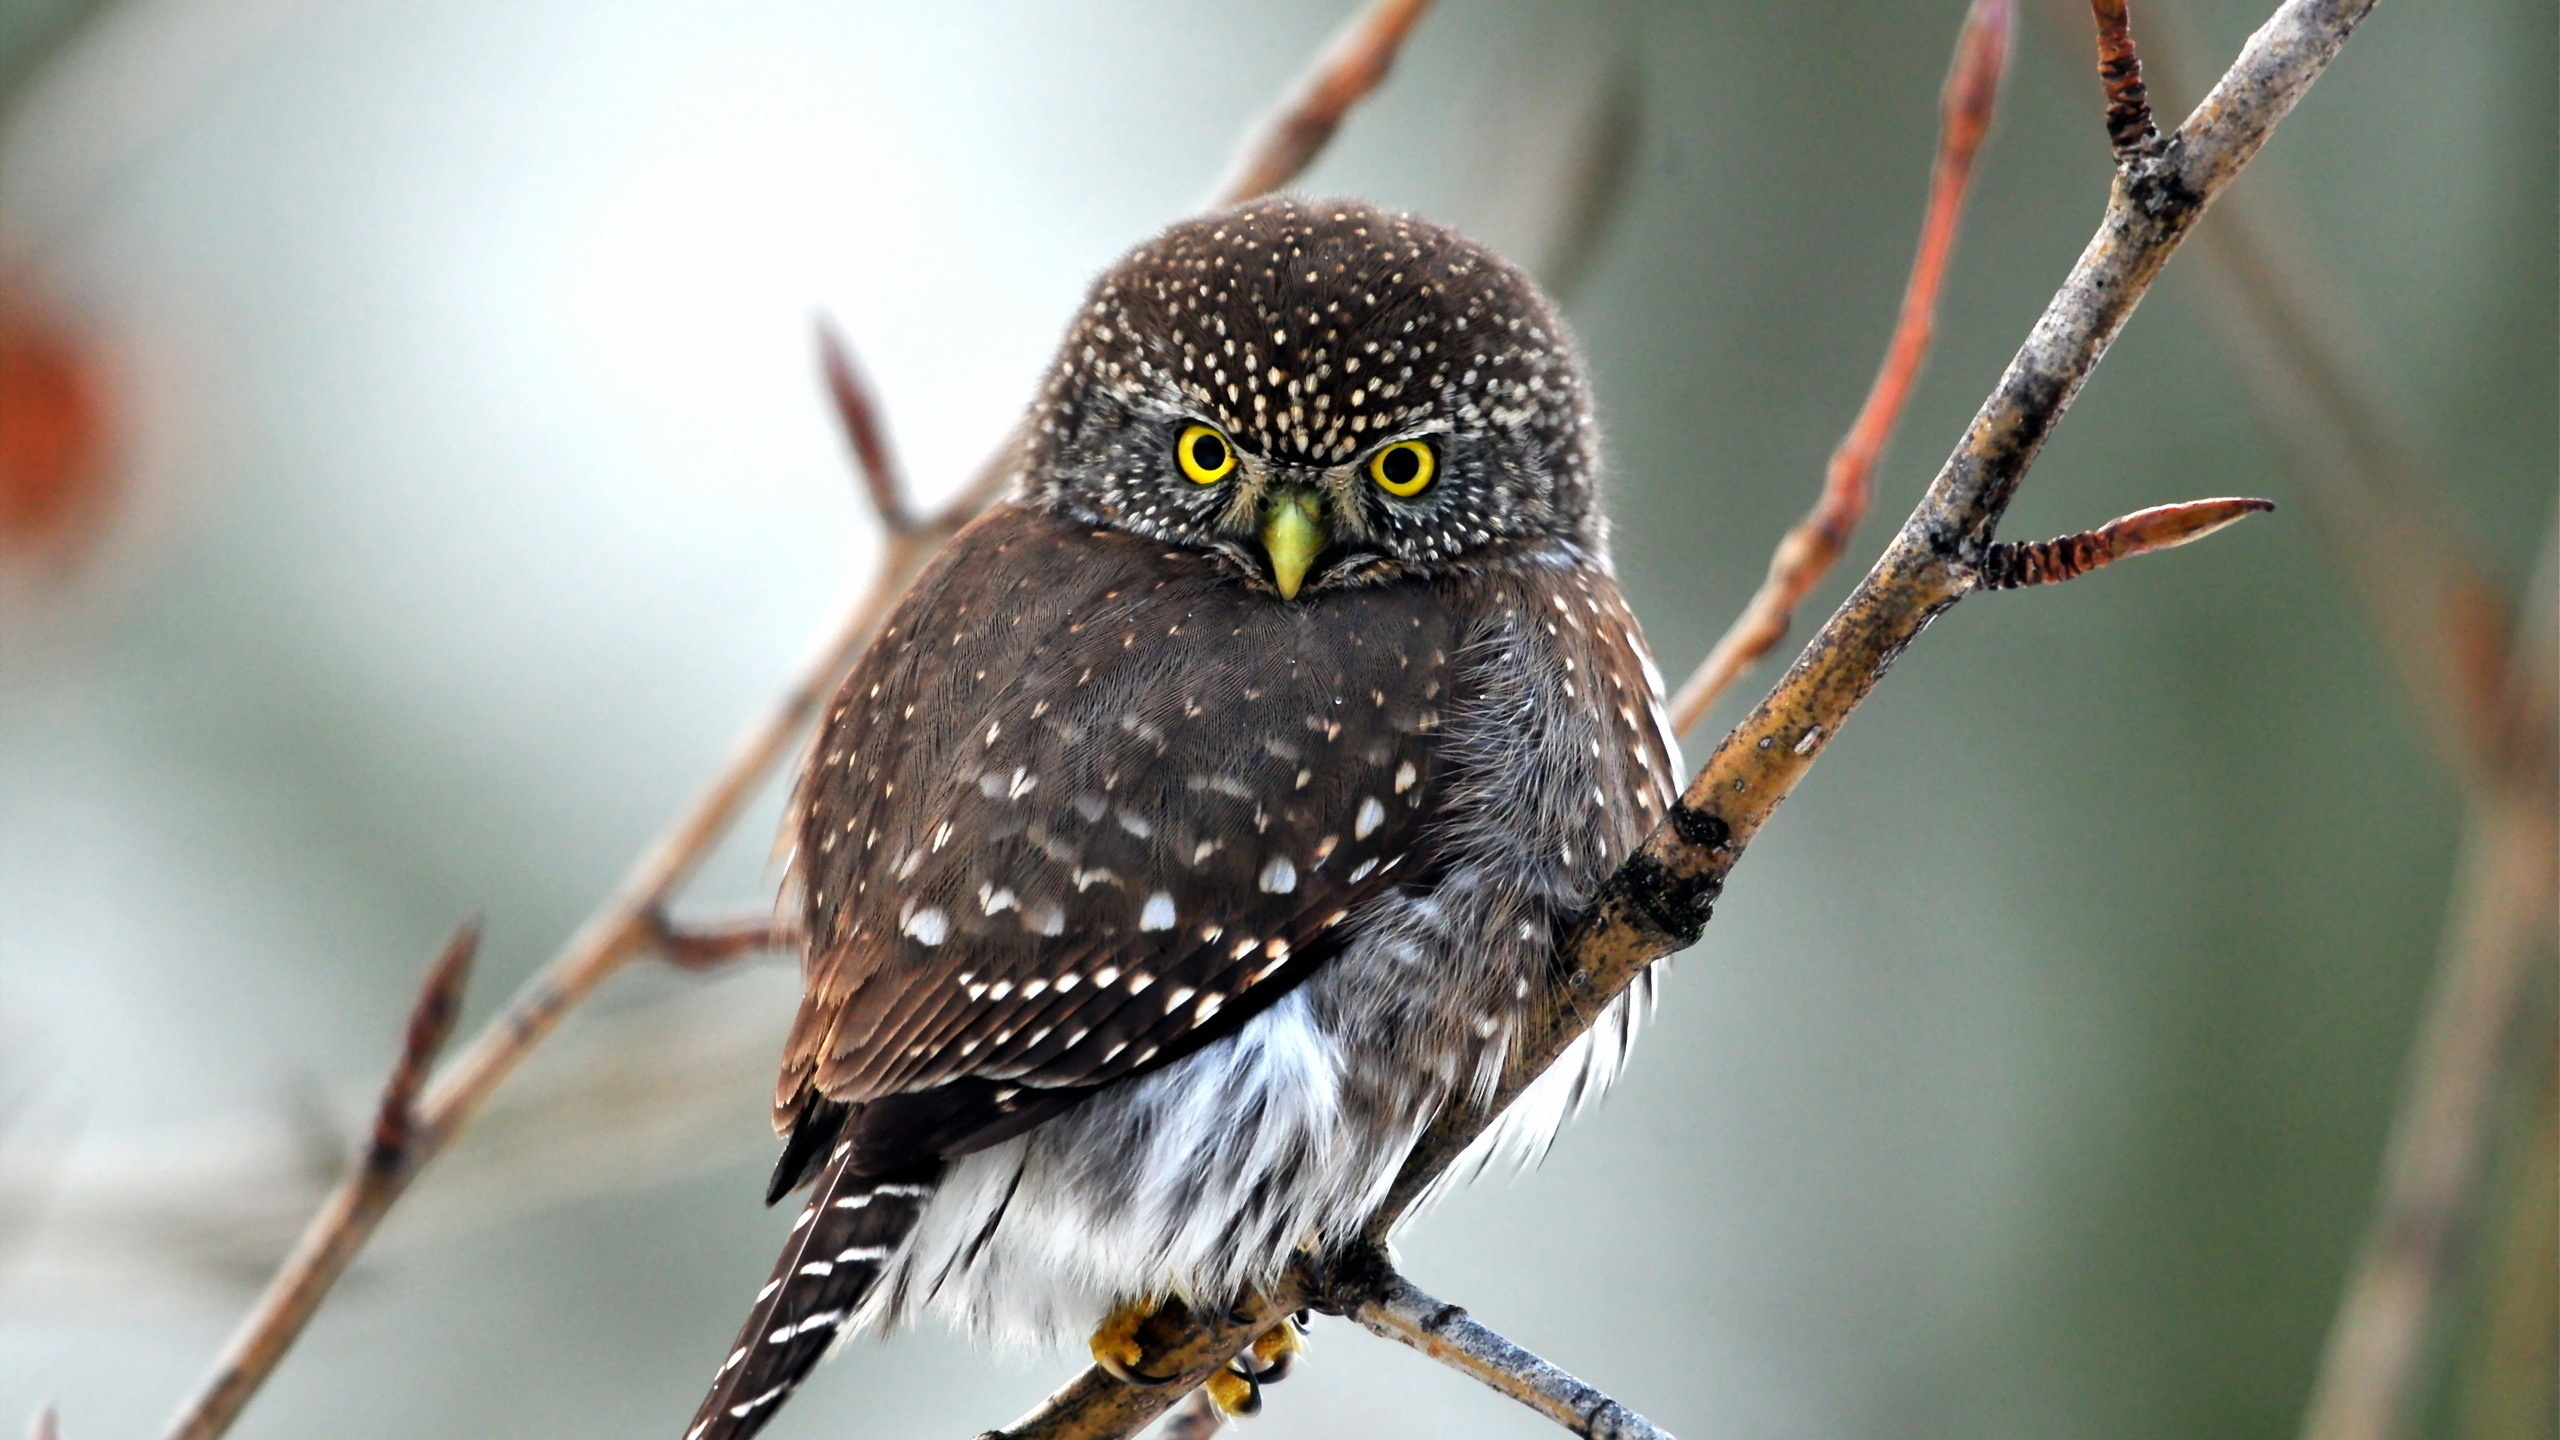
(2129, 127)
(1965, 108)
(2162, 527)
(628, 922)
(1285, 143)
(1660, 900)
(711, 944)
(858, 412)
(44, 1424)
(401, 1139)
(1399, 1310)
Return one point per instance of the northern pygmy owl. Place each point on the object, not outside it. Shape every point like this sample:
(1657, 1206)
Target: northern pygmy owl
(1202, 823)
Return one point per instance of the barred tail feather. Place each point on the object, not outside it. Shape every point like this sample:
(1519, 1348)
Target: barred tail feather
(839, 1246)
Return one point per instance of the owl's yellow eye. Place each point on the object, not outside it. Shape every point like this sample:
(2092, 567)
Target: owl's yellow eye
(1205, 455)
(1404, 469)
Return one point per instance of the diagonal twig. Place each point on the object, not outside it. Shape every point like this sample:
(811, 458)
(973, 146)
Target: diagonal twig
(711, 944)
(2505, 924)
(1805, 555)
(401, 1139)
(630, 921)
(867, 431)
(1660, 900)
(1288, 140)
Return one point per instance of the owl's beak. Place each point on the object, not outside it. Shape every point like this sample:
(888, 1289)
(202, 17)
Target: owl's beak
(1292, 535)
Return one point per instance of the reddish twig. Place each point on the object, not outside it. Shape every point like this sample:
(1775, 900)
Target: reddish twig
(44, 1424)
(2015, 564)
(858, 411)
(1965, 108)
(2129, 127)
(708, 945)
(1286, 142)
(402, 1137)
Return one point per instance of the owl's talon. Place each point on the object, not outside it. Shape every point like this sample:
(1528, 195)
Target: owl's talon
(1235, 1391)
(1276, 1352)
(1119, 1343)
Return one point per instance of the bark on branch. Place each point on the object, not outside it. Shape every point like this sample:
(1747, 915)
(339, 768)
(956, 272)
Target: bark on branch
(1661, 899)
(1400, 1310)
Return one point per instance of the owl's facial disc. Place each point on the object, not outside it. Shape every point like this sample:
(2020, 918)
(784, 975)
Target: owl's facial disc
(1324, 395)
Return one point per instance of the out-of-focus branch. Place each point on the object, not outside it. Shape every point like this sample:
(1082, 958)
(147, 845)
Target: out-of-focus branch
(2486, 697)
(1661, 899)
(631, 921)
(1288, 140)
(1805, 555)
(2505, 927)
(867, 431)
(1399, 1310)
(44, 1424)
(400, 1141)
(710, 944)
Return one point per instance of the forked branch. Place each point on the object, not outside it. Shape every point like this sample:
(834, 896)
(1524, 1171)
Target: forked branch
(1661, 898)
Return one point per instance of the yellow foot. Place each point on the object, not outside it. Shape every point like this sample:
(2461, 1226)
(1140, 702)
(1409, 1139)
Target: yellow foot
(1120, 1342)
(1237, 1389)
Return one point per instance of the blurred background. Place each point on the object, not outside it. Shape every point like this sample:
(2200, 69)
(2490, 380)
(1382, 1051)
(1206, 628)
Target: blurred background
(414, 471)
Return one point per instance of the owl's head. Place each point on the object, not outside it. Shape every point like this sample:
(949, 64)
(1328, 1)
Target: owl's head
(1323, 393)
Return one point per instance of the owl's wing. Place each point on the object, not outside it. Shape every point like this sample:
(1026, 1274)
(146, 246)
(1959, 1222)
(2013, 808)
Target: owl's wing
(1088, 805)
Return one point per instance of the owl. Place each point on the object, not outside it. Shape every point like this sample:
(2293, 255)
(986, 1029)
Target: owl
(1202, 823)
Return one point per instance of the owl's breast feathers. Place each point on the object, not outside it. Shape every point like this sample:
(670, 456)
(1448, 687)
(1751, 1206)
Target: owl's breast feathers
(1087, 805)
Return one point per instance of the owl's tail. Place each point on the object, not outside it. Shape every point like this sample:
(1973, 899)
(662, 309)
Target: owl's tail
(839, 1246)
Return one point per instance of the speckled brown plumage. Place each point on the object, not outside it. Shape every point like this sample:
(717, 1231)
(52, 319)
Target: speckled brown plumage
(1154, 908)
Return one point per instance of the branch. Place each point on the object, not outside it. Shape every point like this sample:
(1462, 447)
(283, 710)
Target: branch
(1399, 1310)
(1660, 900)
(44, 1424)
(630, 921)
(1965, 108)
(2505, 925)
(1288, 140)
(400, 1141)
